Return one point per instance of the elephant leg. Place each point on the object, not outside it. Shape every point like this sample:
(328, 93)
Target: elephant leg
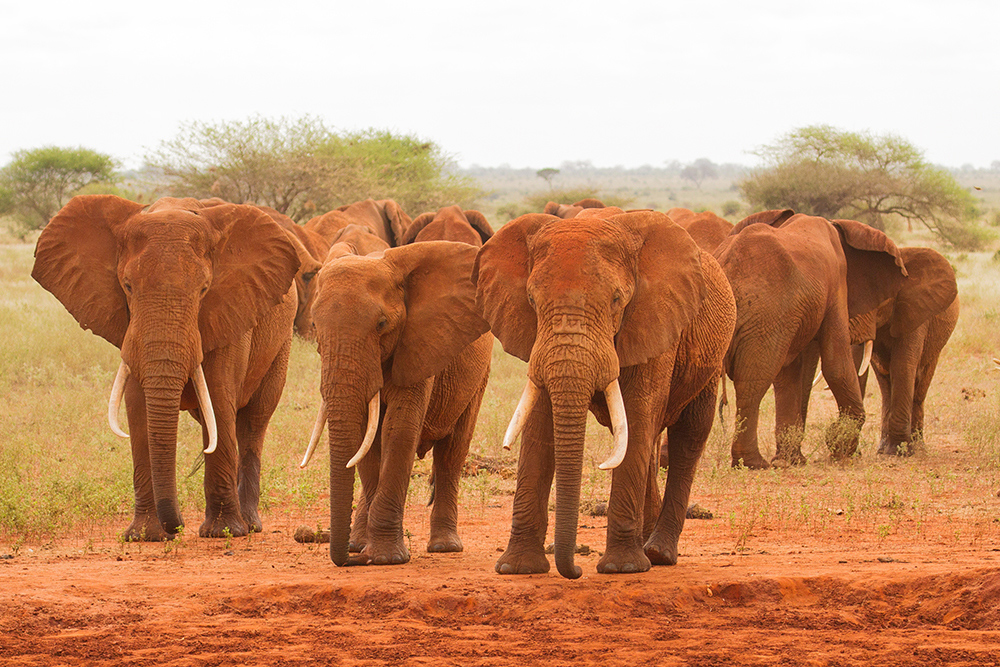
(745, 449)
(651, 505)
(401, 430)
(251, 427)
(145, 526)
(686, 439)
(525, 552)
(906, 353)
(629, 491)
(885, 391)
(791, 400)
(449, 457)
(842, 377)
(368, 472)
(222, 502)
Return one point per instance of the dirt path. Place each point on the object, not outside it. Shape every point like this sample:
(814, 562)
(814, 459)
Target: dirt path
(271, 601)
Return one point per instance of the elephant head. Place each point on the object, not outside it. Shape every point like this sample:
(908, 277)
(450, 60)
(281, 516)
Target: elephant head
(166, 286)
(449, 224)
(384, 322)
(571, 210)
(579, 300)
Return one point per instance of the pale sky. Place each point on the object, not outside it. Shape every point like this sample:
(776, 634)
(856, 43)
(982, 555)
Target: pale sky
(525, 83)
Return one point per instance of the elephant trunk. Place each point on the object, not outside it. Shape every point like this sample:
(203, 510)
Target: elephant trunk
(348, 386)
(163, 365)
(570, 401)
(163, 398)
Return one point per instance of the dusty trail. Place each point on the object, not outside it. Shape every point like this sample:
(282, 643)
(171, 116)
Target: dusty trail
(271, 601)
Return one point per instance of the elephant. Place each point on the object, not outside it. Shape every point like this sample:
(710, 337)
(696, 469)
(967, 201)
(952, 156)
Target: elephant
(912, 329)
(449, 224)
(806, 288)
(385, 218)
(405, 361)
(706, 228)
(571, 210)
(200, 301)
(623, 315)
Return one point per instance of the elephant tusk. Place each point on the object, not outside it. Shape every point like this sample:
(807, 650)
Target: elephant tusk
(115, 402)
(316, 434)
(819, 374)
(867, 359)
(520, 418)
(207, 411)
(996, 362)
(373, 410)
(619, 424)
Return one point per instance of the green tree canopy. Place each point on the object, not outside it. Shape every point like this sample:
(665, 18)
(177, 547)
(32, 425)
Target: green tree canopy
(302, 168)
(38, 182)
(823, 171)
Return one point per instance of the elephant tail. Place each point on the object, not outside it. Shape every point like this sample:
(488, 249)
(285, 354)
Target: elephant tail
(723, 402)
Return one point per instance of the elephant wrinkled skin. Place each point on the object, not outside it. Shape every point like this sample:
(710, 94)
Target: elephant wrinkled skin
(182, 288)
(611, 310)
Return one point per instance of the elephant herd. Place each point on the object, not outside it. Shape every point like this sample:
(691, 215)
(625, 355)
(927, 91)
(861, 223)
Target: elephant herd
(633, 316)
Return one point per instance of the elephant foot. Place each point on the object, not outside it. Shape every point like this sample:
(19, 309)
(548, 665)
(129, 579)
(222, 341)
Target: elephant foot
(661, 550)
(147, 528)
(252, 519)
(444, 542)
(622, 560)
(224, 526)
(522, 562)
(786, 459)
(390, 553)
(752, 461)
(893, 447)
(357, 546)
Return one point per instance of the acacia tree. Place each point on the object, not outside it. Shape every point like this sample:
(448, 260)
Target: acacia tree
(700, 170)
(823, 171)
(300, 167)
(38, 182)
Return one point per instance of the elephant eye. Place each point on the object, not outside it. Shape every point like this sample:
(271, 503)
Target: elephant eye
(382, 324)
(531, 300)
(128, 288)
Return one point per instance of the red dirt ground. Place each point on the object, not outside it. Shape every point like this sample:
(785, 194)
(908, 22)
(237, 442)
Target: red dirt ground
(271, 601)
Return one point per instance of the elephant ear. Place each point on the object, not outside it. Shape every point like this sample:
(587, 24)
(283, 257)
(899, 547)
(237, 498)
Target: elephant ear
(255, 263)
(589, 202)
(551, 208)
(416, 227)
(501, 279)
(669, 288)
(772, 218)
(441, 315)
(395, 221)
(928, 290)
(480, 224)
(76, 259)
(875, 268)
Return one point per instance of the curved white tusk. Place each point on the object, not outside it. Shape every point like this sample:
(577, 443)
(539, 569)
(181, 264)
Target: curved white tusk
(819, 374)
(619, 424)
(205, 405)
(867, 359)
(115, 402)
(373, 409)
(996, 362)
(316, 434)
(520, 418)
